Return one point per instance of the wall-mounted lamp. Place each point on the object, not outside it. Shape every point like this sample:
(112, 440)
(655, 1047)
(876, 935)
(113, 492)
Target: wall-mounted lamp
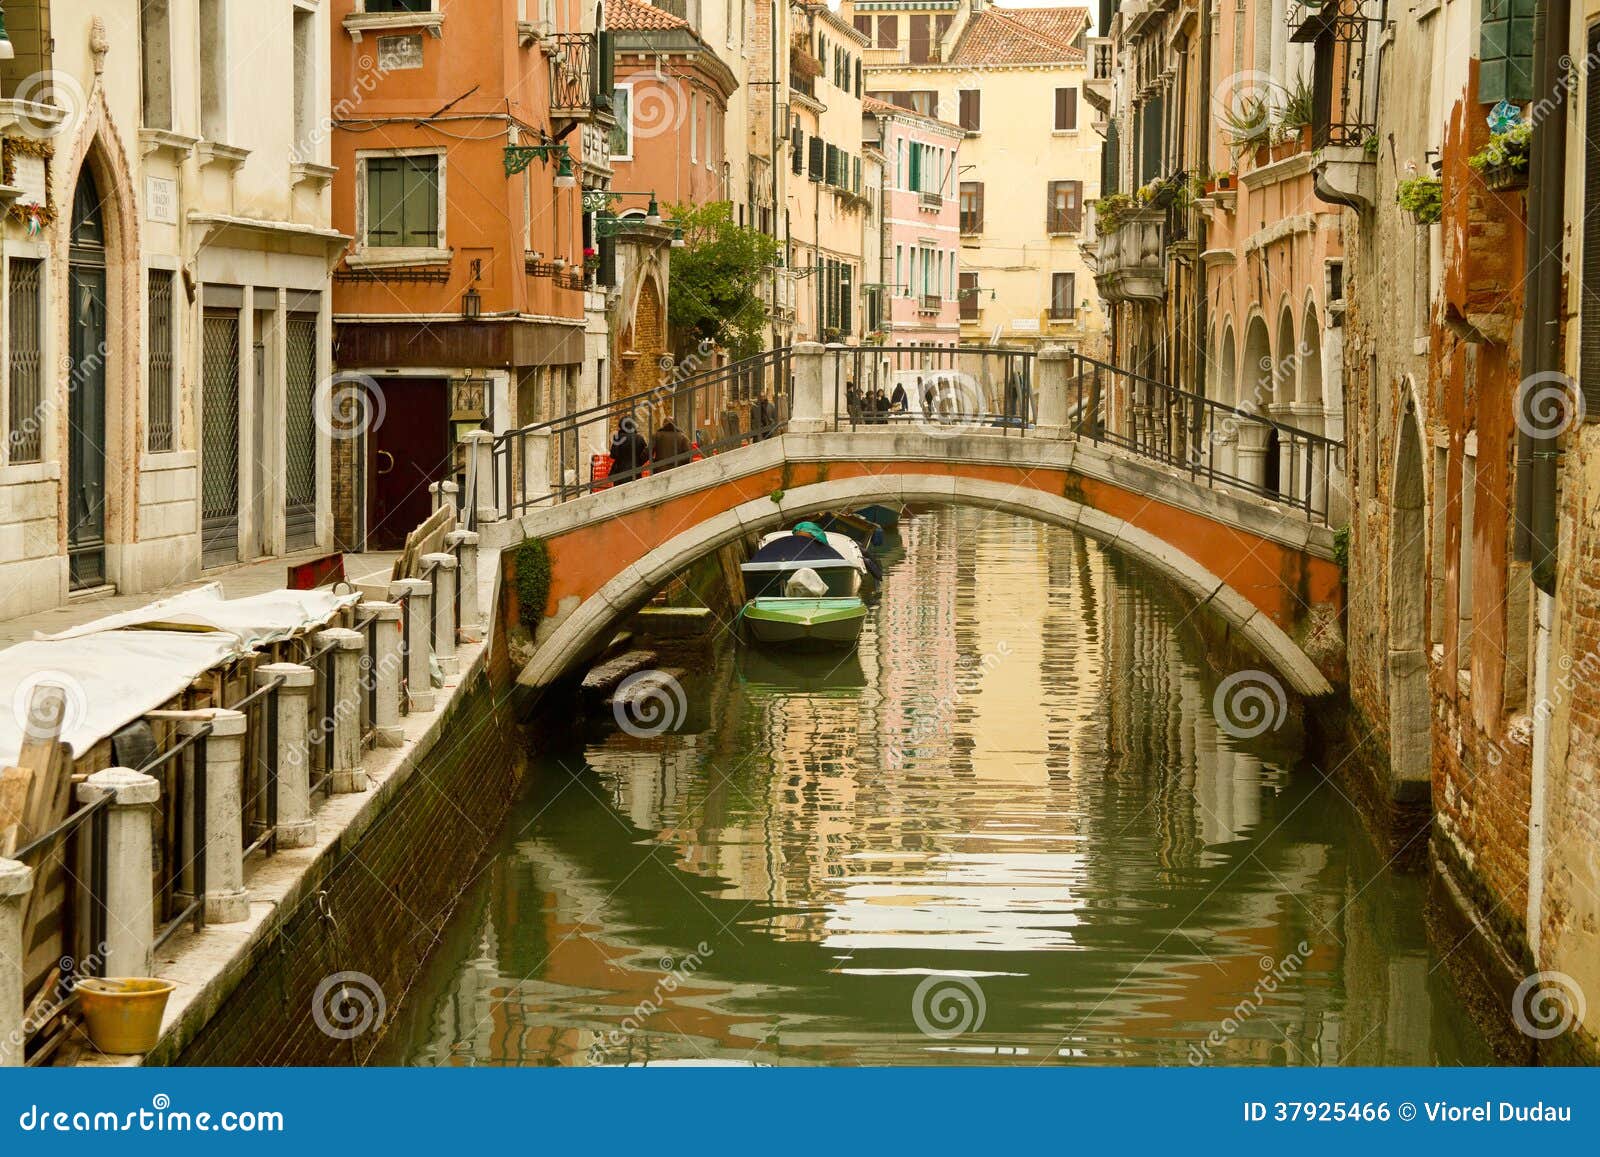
(564, 177)
(472, 300)
(677, 237)
(652, 215)
(518, 157)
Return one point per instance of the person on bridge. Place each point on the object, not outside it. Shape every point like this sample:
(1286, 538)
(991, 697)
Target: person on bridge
(629, 453)
(852, 401)
(898, 401)
(764, 417)
(670, 447)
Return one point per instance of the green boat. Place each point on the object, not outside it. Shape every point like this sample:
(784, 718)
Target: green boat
(805, 624)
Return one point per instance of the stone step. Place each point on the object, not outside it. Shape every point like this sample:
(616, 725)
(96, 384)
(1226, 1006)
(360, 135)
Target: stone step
(603, 678)
(673, 622)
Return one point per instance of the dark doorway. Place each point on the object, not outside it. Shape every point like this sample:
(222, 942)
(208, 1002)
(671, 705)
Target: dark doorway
(1271, 467)
(408, 449)
(86, 393)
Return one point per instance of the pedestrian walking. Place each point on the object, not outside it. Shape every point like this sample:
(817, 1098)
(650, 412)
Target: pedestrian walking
(629, 453)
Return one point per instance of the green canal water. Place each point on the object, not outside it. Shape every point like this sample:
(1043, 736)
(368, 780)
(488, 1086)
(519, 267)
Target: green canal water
(1015, 828)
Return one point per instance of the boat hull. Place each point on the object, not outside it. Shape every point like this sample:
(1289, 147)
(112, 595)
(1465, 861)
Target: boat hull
(828, 624)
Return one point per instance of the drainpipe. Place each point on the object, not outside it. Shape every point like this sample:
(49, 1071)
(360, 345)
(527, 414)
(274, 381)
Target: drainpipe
(1535, 540)
(1200, 220)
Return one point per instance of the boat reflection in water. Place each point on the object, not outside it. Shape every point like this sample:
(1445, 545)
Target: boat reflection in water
(1014, 795)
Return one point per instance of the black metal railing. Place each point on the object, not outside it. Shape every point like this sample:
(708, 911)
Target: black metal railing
(572, 63)
(1337, 30)
(1202, 437)
(181, 882)
(713, 410)
(260, 798)
(324, 708)
(947, 387)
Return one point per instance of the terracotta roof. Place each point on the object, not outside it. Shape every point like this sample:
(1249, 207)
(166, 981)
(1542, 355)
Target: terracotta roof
(634, 16)
(1022, 36)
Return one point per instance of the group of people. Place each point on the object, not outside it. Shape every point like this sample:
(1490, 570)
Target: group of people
(631, 454)
(874, 406)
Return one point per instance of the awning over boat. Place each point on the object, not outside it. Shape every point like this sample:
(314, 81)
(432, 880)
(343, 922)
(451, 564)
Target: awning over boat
(793, 551)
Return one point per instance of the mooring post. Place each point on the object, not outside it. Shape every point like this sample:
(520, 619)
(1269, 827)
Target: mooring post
(222, 767)
(296, 827)
(344, 729)
(418, 595)
(384, 674)
(16, 881)
(444, 610)
(129, 887)
(465, 543)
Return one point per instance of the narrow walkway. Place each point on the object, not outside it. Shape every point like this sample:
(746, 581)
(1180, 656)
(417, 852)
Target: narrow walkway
(252, 579)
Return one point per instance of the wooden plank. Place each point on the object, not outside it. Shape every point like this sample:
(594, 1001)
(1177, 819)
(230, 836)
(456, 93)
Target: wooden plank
(14, 785)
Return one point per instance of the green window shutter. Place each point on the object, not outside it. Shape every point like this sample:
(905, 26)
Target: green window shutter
(420, 202)
(915, 183)
(1505, 51)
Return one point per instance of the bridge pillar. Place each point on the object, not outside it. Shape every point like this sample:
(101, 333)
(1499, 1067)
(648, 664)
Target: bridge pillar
(479, 448)
(128, 895)
(444, 494)
(297, 827)
(806, 412)
(1052, 381)
(537, 488)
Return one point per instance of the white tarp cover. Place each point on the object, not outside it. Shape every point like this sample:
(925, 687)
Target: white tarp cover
(255, 621)
(110, 679)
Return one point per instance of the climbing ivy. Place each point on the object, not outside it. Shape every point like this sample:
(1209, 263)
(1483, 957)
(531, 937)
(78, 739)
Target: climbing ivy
(533, 580)
(1341, 551)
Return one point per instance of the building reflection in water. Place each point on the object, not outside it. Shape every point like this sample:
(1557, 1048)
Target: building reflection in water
(1019, 780)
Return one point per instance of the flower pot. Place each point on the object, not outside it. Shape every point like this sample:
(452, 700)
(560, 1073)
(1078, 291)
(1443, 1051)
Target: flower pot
(1504, 178)
(1225, 181)
(1263, 154)
(123, 1015)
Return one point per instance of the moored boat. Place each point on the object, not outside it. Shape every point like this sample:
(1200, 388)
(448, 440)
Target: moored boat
(886, 515)
(870, 573)
(866, 533)
(805, 624)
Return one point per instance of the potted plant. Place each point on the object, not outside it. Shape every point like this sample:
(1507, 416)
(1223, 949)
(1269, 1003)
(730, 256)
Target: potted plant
(1110, 210)
(1249, 126)
(1370, 146)
(1422, 197)
(1294, 118)
(1503, 162)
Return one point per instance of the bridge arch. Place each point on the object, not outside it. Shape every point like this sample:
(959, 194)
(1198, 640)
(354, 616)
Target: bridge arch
(576, 632)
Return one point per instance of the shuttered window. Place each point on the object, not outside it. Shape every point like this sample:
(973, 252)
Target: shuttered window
(797, 149)
(25, 427)
(915, 183)
(969, 297)
(919, 40)
(1066, 110)
(863, 25)
(1064, 208)
(888, 32)
(971, 101)
(158, 362)
(972, 206)
(1505, 51)
(816, 158)
(1063, 296)
(1589, 310)
(403, 201)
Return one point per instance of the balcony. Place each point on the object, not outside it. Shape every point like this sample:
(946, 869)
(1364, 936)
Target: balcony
(1345, 175)
(1130, 262)
(930, 303)
(930, 200)
(579, 76)
(1097, 88)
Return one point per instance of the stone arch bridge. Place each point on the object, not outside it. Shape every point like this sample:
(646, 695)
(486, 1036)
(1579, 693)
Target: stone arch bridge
(1068, 449)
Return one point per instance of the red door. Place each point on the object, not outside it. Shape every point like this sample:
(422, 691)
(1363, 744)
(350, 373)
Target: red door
(407, 449)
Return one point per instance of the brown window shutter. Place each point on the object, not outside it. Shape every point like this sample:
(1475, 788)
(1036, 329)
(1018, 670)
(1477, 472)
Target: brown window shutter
(1074, 214)
(919, 40)
(864, 25)
(1066, 109)
(888, 32)
(970, 105)
(979, 207)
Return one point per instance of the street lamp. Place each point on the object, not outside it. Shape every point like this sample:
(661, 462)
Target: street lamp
(677, 237)
(652, 215)
(564, 177)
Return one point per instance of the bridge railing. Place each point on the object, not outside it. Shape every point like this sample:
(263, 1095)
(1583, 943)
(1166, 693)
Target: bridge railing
(1207, 438)
(712, 409)
(991, 387)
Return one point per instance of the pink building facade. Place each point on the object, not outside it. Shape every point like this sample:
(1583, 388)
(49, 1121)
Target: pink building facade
(920, 238)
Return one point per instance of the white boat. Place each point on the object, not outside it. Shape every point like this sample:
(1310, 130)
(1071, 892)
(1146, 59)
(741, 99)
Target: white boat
(847, 548)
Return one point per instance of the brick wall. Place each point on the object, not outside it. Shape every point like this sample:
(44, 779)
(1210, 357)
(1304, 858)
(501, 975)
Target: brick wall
(384, 900)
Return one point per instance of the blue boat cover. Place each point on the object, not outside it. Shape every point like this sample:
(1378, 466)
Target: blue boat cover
(797, 549)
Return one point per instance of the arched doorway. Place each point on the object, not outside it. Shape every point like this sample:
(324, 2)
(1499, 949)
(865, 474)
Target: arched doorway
(1256, 457)
(86, 387)
(1410, 733)
(1227, 392)
(1285, 389)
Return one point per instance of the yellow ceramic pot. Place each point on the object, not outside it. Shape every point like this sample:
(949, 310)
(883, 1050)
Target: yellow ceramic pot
(123, 1014)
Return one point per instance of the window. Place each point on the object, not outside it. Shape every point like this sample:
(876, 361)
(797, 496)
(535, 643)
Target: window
(1063, 296)
(1064, 211)
(914, 181)
(816, 158)
(888, 32)
(694, 127)
(711, 121)
(969, 297)
(402, 202)
(399, 6)
(920, 48)
(155, 63)
(797, 149)
(25, 434)
(1066, 110)
(970, 103)
(622, 131)
(899, 268)
(863, 25)
(214, 70)
(972, 206)
(1505, 47)
(158, 362)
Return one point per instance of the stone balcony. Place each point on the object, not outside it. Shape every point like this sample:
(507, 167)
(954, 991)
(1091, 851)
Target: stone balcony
(1130, 263)
(1345, 175)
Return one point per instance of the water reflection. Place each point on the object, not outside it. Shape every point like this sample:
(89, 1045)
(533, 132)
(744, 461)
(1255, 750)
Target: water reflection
(1016, 787)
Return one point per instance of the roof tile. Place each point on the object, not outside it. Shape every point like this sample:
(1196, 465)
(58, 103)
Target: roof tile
(1022, 36)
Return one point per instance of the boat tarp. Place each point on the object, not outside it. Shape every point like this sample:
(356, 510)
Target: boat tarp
(790, 551)
(109, 680)
(255, 620)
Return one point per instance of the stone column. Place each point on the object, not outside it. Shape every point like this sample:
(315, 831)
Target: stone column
(534, 447)
(444, 494)
(806, 410)
(444, 610)
(383, 670)
(16, 881)
(343, 732)
(418, 594)
(1251, 452)
(479, 449)
(296, 827)
(130, 893)
(1053, 393)
(225, 898)
(465, 543)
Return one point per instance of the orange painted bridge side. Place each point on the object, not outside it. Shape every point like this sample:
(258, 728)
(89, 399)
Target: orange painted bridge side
(1282, 581)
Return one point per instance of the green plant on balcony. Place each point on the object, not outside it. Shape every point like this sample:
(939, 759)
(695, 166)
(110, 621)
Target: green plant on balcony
(1248, 124)
(1422, 197)
(1370, 145)
(1503, 162)
(1298, 108)
(1111, 210)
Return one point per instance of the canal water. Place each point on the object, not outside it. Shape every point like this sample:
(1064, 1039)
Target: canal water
(1025, 824)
